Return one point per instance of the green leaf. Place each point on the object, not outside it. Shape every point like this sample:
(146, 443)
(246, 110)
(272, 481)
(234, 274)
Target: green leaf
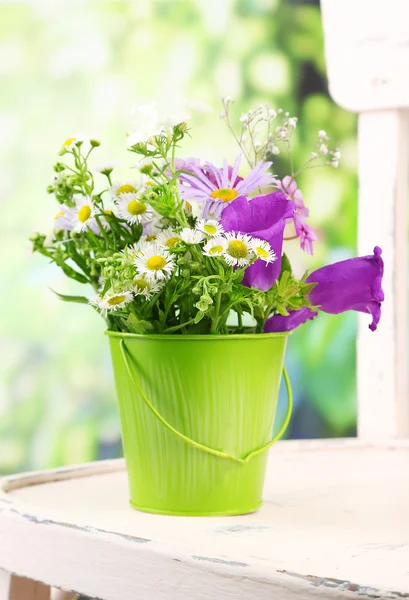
(66, 298)
(285, 265)
(70, 272)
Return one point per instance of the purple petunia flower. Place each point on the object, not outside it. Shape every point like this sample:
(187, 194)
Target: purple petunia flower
(263, 217)
(353, 284)
(215, 188)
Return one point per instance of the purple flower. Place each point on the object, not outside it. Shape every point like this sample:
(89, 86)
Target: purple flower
(353, 284)
(293, 320)
(263, 217)
(306, 233)
(289, 186)
(215, 187)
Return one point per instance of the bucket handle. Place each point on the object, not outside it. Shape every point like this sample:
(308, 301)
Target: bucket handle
(221, 454)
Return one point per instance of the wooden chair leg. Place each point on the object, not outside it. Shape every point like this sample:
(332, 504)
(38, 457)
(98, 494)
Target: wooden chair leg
(13, 587)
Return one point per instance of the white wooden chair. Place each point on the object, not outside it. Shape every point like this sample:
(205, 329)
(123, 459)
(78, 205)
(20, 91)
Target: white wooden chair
(335, 523)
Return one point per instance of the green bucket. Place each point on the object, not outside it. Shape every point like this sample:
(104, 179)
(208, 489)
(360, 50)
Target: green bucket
(197, 414)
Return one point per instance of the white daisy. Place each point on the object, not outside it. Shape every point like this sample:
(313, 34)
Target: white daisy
(190, 236)
(142, 287)
(73, 141)
(132, 209)
(112, 300)
(154, 262)
(263, 250)
(239, 250)
(105, 169)
(167, 238)
(80, 217)
(211, 227)
(215, 246)
(124, 187)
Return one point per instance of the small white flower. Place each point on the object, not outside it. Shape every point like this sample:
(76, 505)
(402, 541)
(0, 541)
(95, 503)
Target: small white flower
(124, 187)
(322, 135)
(132, 209)
(167, 238)
(275, 150)
(105, 169)
(73, 141)
(191, 236)
(154, 262)
(292, 122)
(211, 227)
(148, 123)
(78, 218)
(244, 118)
(272, 113)
(129, 252)
(336, 154)
(112, 300)
(323, 149)
(263, 250)
(314, 155)
(142, 287)
(145, 165)
(239, 250)
(227, 100)
(215, 246)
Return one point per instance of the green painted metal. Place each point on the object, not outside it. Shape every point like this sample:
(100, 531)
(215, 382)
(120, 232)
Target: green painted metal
(197, 414)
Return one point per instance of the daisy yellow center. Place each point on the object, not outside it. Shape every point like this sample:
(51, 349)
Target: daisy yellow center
(237, 249)
(224, 194)
(262, 252)
(156, 263)
(115, 300)
(141, 284)
(84, 213)
(216, 250)
(210, 229)
(126, 188)
(136, 208)
(150, 238)
(69, 141)
(170, 243)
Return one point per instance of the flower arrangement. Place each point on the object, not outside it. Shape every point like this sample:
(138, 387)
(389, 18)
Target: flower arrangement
(188, 247)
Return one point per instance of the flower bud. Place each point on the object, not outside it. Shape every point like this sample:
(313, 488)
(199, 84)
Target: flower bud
(94, 143)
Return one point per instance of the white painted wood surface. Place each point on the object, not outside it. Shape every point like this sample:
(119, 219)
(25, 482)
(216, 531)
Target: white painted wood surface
(335, 524)
(367, 52)
(382, 357)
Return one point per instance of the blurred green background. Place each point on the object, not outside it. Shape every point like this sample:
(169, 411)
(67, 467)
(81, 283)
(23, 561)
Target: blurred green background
(68, 67)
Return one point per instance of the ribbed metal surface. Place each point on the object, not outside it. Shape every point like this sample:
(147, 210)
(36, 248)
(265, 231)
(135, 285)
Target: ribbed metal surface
(221, 392)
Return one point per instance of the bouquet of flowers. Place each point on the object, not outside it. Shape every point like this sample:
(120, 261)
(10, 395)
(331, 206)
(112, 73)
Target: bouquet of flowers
(188, 247)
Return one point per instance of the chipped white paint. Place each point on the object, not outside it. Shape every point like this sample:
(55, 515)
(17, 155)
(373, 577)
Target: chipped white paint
(335, 524)
(367, 52)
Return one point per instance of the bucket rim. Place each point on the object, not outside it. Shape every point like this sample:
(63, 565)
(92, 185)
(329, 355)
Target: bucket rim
(197, 337)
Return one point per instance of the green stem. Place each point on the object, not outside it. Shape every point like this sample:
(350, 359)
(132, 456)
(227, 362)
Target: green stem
(216, 313)
(176, 327)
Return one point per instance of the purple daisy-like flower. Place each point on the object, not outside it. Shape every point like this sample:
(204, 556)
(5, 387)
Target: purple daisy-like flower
(215, 188)
(263, 217)
(353, 284)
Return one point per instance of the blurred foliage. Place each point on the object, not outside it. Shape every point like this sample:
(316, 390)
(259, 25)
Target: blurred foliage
(63, 71)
